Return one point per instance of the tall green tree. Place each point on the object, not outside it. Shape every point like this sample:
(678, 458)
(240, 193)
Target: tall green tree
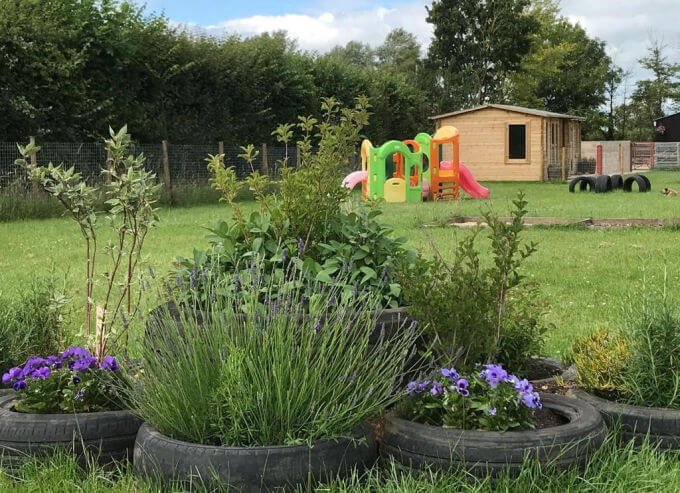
(476, 45)
(401, 51)
(565, 70)
(653, 97)
(355, 53)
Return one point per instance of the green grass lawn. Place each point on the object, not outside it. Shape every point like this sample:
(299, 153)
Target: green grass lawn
(586, 276)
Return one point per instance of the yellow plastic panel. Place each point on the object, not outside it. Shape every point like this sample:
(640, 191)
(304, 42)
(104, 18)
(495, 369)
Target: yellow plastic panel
(395, 190)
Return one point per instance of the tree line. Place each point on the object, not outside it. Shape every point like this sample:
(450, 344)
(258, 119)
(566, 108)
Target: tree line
(69, 69)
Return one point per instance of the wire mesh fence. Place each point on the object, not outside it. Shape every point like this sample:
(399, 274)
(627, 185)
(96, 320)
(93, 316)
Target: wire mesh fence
(185, 162)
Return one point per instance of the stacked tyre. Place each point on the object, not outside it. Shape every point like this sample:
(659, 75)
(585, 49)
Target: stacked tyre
(607, 183)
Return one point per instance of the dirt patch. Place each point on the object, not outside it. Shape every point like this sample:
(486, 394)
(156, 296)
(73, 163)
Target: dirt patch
(475, 221)
(545, 418)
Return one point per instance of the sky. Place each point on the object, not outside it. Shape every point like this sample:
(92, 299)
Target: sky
(627, 26)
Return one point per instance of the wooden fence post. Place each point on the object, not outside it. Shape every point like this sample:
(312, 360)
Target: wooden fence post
(564, 163)
(620, 158)
(166, 170)
(35, 187)
(265, 163)
(297, 156)
(220, 147)
(108, 163)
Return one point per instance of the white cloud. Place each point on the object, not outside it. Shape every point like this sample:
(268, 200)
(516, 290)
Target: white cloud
(324, 30)
(628, 26)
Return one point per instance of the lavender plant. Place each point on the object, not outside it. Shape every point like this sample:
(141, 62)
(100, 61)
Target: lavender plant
(70, 382)
(489, 400)
(130, 193)
(273, 361)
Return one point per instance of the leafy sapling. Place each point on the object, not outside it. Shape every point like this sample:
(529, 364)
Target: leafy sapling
(130, 192)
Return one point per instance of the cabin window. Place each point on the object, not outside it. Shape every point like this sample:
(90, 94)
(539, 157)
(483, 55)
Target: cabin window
(517, 141)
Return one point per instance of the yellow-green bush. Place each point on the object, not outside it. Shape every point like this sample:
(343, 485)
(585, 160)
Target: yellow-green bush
(601, 359)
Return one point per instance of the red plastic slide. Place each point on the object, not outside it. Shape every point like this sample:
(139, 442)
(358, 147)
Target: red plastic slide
(470, 185)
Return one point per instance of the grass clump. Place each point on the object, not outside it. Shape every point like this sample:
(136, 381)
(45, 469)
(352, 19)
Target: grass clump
(652, 331)
(272, 362)
(640, 364)
(31, 322)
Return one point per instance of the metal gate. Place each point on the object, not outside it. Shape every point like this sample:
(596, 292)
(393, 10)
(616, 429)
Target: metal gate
(641, 155)
(667, 155)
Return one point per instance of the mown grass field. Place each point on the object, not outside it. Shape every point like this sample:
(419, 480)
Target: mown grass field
(585, 275)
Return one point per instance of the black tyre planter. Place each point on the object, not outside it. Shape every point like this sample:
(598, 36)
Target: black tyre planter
(543, 369)
(388, 320)
(639, 180)
(638, 423)
(108, 435)
(253, 468)
(420, 446)
(603, 184)
(584, 183)
(617, 182)
(647, 182)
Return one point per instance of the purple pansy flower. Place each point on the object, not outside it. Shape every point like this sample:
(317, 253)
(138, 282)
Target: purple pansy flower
(19, 385)
(76, 380)
(110, 364)
(55, 362)
(41, 373)
(492, 411)
(75, 352)
(411, 387)
(494, 374)
(450, 373)
(437, 388)
(532, 400)
(14, 373)
(84, 364)
(34, 362)
(524, 387)
(462, 387)
(78, 395)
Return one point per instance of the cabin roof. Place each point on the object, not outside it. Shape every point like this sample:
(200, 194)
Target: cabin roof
(507, 107)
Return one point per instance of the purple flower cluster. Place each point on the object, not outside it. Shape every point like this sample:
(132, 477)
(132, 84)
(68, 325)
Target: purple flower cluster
(76, 359)
(494, 375)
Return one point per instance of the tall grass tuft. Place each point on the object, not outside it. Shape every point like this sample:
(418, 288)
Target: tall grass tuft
(652, 333)
(287, 362)
(31, 322)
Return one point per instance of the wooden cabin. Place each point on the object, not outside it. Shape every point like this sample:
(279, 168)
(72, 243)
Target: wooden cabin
(667, 128)
(509, 143)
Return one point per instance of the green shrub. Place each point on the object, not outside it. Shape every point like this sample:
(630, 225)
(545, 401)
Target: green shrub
(295, 367)
(475, 314)
(601, 359)
(308, 220)
(31, 323)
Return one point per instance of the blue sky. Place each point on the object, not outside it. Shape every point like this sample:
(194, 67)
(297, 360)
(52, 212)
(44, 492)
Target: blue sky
(627, 26)
(204, 12)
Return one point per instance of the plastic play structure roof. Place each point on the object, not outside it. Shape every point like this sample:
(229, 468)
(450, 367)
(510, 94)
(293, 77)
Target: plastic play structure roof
(507, 107)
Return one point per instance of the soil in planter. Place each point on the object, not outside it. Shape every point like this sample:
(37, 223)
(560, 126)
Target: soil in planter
(558, 386)
(546, 418)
